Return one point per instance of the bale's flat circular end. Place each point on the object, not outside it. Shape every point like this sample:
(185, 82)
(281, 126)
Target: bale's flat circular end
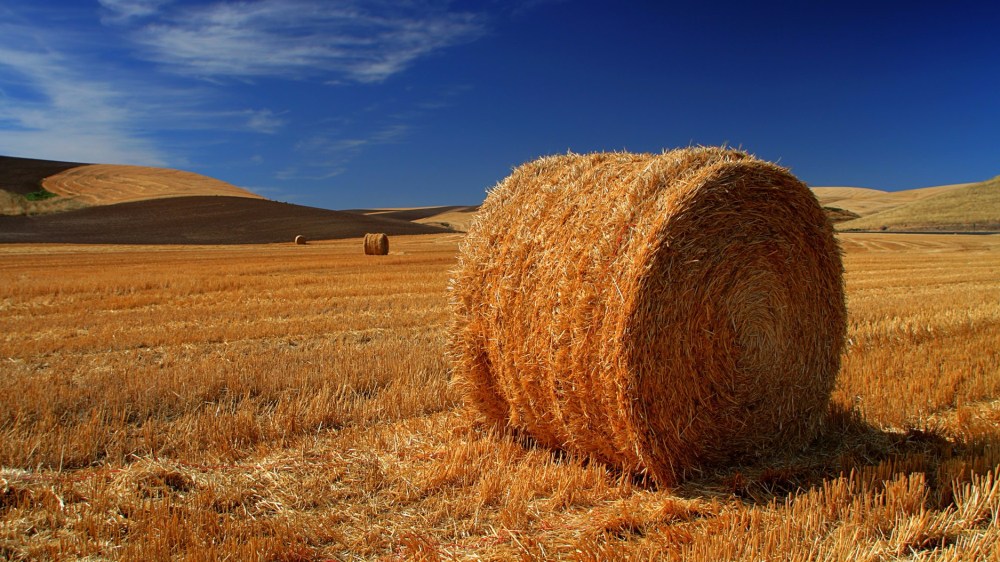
(376, 244)
(663, 313)
(301, 240)
(743, 319)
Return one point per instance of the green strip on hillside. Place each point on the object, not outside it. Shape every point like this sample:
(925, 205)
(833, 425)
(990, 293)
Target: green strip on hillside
(40, 195)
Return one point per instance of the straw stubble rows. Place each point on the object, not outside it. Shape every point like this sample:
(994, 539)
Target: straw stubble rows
(293, 404)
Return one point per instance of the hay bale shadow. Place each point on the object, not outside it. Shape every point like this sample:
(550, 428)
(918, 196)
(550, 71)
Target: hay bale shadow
(849, 446)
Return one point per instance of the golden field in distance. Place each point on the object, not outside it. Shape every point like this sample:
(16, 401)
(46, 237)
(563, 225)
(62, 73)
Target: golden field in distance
(107, 184)
(68, 189)
(44, 201)
(283, 402)
(69, 186)
(964, 207)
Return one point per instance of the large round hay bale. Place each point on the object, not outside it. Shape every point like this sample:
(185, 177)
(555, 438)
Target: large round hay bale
(300, 240)
(665, 313)
(376, 244)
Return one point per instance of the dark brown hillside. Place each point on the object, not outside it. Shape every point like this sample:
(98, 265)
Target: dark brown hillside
(199, 220)
(25, 175)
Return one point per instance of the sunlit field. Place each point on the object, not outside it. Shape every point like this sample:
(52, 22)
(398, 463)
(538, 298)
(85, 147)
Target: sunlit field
(283, 402)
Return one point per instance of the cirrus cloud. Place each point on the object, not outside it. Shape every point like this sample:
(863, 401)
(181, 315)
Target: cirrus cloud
(124, 10)
(362, 40)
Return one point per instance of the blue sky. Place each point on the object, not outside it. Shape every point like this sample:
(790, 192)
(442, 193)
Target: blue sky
(368, 103)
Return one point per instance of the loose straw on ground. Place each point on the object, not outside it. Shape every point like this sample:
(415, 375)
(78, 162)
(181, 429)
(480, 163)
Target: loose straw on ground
(660, 312)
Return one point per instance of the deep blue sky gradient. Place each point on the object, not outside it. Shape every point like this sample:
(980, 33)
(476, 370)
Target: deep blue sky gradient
(431, 103)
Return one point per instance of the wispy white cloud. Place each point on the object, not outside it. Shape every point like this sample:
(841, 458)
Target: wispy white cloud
(59, 101)
(358, 40)
(61, 113)
(119, 11)
(263, 121)
(328, 153)
(70, 89)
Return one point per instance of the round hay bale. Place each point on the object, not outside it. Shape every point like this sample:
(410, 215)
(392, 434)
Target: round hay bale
(376, 244)
(665, 313)
(301, 240)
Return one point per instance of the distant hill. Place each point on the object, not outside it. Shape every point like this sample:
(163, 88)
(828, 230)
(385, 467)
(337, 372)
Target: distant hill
(957, 207)
(968, 207)
(453, 217)
(30, 186)
(199, 220)
(864, 201)
(67, 202)
(109, 184)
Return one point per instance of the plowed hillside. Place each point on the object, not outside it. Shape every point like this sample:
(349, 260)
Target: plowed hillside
(24, 175)
(108, 184)
(199, 220)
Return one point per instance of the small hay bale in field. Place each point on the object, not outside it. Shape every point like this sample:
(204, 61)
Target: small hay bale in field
(301, 240)
(376, 244)
(664, 313)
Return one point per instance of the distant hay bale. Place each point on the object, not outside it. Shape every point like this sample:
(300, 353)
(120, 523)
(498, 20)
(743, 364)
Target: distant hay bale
(663, 313)
(301, 240)
(376, 244)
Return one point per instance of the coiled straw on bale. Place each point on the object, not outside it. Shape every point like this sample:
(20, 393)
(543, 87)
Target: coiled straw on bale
(376, 244)
(301, 240)
(663, 313)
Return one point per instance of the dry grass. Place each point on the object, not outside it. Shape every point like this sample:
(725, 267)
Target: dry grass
(107, 184)
(13, 204)
(662, 312)
(457, 219)
(967, 208)
(865, 201)
(205, 403)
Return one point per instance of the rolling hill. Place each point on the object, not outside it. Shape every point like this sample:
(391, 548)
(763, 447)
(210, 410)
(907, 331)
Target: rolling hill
(970, 207)
(49, 201)
(453, 217)
(199, 220)
(31, 187)
(957, 207)
(108, 184)
(112, 204)
(864, 201)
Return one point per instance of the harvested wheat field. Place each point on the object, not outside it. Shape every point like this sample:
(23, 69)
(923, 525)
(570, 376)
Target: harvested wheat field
(107, 184)
(263, 403)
